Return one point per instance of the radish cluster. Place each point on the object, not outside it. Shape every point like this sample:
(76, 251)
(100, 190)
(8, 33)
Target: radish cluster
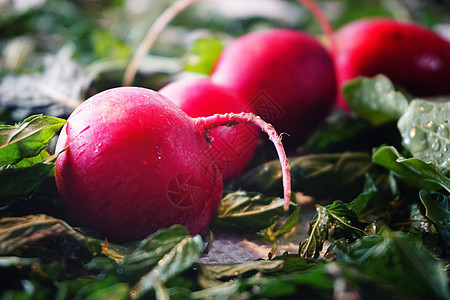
(284, 76)
(134, 163)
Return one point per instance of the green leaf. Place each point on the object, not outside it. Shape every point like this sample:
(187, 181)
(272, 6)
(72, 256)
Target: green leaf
(317, 234)
(338, 216)
(343, 132)
(311, 283)
(93, 289)
(152, 261)
(217, 274)
(251, 212)
(425, 130)
(177, 260)
(22, 179)
(415, 172)
(395, 260)
(437, 208)
(281, 228)
(27, 139)
(203, 55)
(17, 233)
(376, 196)
(345, 221)
(375, 99)
(343, 173)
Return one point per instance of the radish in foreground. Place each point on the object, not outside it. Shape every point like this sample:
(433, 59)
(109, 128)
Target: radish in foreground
(136, 163)
(199, 97)
(287, 76)
(410, 55)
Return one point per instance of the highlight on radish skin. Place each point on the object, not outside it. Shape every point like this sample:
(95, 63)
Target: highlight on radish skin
(135, 163)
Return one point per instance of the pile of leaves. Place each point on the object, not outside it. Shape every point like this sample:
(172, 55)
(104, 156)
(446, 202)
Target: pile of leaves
(386, 231)
(379, 178)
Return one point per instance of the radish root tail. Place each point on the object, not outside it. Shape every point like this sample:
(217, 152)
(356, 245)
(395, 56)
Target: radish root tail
(231, 119)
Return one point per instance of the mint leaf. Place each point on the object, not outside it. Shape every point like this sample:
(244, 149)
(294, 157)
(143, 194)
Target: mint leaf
(395, 260)
(18, 233)
(317, 234)
(425, 130)
(153, 261)
(27, 139)
(249, 211)
(175, 261)
(375, 99)
(415, 172)
(337, 215)
(216, 274)
(22, 179)
(345, 170)
(437, 208)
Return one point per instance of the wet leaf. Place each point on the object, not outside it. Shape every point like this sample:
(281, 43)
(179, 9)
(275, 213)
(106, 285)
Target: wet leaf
(425, 130)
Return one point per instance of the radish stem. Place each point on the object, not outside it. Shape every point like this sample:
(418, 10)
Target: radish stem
(231, 119)
(323, 21)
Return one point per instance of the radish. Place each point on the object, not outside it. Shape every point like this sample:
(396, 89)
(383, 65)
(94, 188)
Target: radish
(135, 163)
(199, 97)
(410, 55)
(287, 76)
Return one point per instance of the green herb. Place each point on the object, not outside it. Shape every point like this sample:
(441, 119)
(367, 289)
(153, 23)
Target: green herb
(27, 139)
(309, 173)
(415, 172)
(375, 99)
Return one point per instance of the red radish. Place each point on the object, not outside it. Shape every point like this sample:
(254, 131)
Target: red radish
(199, 97)
(136, 163)
(287, 76)
(412, 56)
